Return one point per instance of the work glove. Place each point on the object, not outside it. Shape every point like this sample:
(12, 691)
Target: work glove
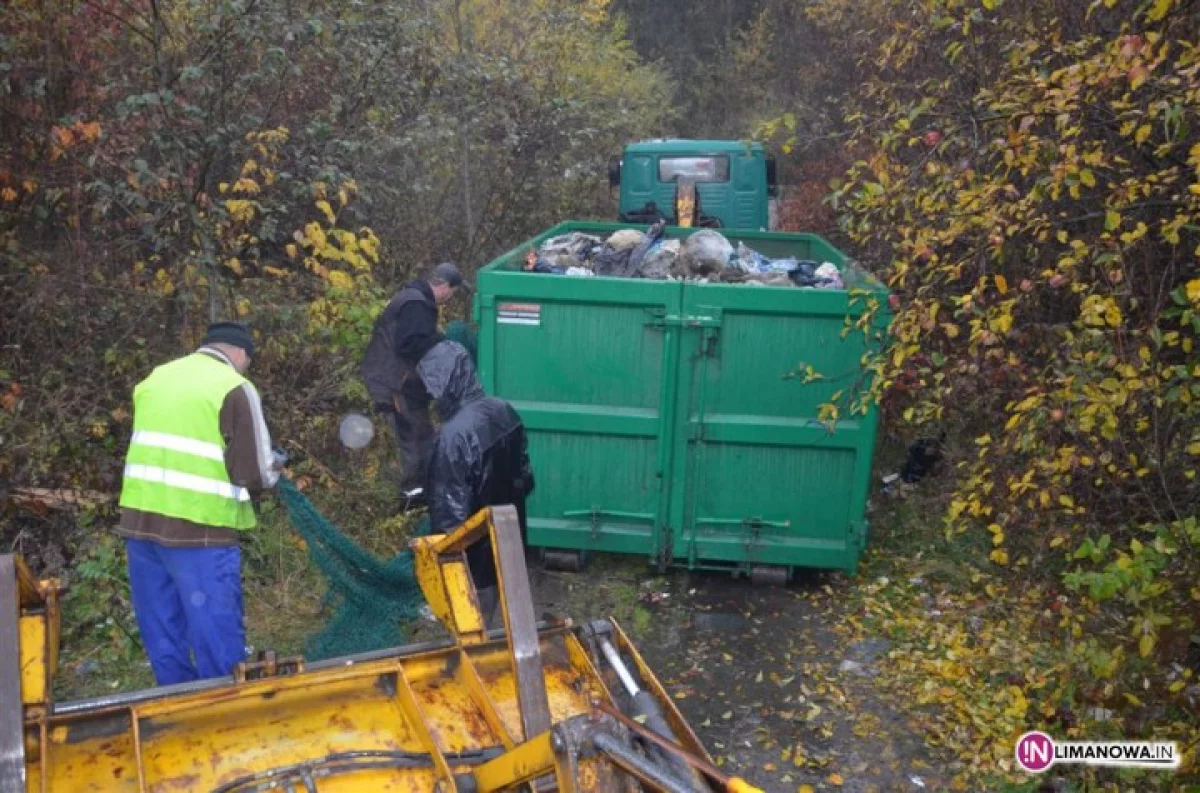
(279, 458)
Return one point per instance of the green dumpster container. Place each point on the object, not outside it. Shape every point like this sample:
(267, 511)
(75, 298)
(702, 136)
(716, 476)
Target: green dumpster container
(660, 416)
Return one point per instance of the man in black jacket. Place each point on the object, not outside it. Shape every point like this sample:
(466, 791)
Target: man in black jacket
(404, 332)
(479, 458)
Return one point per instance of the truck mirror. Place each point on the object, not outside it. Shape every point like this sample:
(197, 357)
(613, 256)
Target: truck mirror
(614, 171)
(772, 177)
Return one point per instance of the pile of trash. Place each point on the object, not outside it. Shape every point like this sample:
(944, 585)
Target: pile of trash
(706, 257)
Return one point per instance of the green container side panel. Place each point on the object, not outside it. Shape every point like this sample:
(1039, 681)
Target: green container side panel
(661, 416)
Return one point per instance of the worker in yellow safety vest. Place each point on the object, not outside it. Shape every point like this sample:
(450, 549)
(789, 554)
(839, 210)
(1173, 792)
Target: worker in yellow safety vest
(200, 449)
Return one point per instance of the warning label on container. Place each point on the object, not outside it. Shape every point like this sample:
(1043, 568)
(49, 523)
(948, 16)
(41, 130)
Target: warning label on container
(519, 314)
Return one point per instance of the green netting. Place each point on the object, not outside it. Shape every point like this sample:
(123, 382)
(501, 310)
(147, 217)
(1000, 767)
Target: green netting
(460, 332)
(372, 599)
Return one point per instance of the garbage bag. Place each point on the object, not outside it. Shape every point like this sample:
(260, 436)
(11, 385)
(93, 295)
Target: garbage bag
(568, 250)
(749, 260)
(828, 277)
(649, 239)
(626, 262)
(703, 254)
(580, 272)
(660, 259)
(625, 239)
(804, 274)
(785, 266)
(610, 262)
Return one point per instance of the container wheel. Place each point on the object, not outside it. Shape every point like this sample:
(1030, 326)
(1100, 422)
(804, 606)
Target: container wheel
(768, 575)
(570, 561)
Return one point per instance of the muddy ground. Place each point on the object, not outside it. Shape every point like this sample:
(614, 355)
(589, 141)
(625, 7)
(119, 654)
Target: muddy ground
(769, 685)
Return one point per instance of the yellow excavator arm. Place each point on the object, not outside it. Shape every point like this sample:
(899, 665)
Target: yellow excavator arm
(541, 706)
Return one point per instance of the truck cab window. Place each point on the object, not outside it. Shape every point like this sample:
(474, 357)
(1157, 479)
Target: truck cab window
(700, 169)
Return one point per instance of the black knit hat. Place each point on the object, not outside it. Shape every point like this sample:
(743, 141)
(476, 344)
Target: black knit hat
(234, 333)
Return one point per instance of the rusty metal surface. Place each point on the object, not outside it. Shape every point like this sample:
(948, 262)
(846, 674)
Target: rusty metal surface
(417, 718)
(516, 602)
(207, 738)
(12, 712)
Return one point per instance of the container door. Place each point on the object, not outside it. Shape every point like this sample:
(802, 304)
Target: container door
(762, 481)
(589, 364)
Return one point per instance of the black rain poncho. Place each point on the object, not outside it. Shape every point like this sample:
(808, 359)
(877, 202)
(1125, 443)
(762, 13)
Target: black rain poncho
(479, 455)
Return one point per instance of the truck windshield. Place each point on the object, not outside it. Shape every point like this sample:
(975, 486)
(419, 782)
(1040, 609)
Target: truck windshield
(701, 169)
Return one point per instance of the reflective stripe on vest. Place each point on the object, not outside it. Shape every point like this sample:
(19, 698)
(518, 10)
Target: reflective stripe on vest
(176, 461)
(198, 484)
(178, 443)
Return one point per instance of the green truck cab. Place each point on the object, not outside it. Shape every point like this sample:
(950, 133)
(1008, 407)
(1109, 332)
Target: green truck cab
(703, 183)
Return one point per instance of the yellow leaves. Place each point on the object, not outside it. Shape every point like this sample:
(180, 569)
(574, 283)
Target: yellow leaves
(234, 264)
(805, 789)
(241, 210)
(1160, 9)
(1146, 645)
(162, 283)
(1002, 284)
(314, 236)
(1142, 134)
(291, 250)
(242, 307)
(340, 280)
(1066, 501)
(1193, 448)
(244, 185)
(8, 194)
(1057, 541)
(1018, 704)
(327, 210)
(370, 246)
(1001, 323)
(1087, 178)
(1098, 311)
(249, 167)
(999, 556)
(1177, 686)
(836, 780)
(1192, 290)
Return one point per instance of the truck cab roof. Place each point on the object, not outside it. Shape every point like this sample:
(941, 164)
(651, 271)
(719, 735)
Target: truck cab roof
(689, 146)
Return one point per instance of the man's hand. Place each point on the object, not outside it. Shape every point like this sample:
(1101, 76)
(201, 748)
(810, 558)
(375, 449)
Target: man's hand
(279, 458)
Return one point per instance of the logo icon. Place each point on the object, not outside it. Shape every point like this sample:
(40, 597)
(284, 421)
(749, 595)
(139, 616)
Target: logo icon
(1035, 751)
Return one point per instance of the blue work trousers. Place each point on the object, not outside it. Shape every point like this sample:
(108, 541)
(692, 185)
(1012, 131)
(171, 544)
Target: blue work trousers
(188, 602)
